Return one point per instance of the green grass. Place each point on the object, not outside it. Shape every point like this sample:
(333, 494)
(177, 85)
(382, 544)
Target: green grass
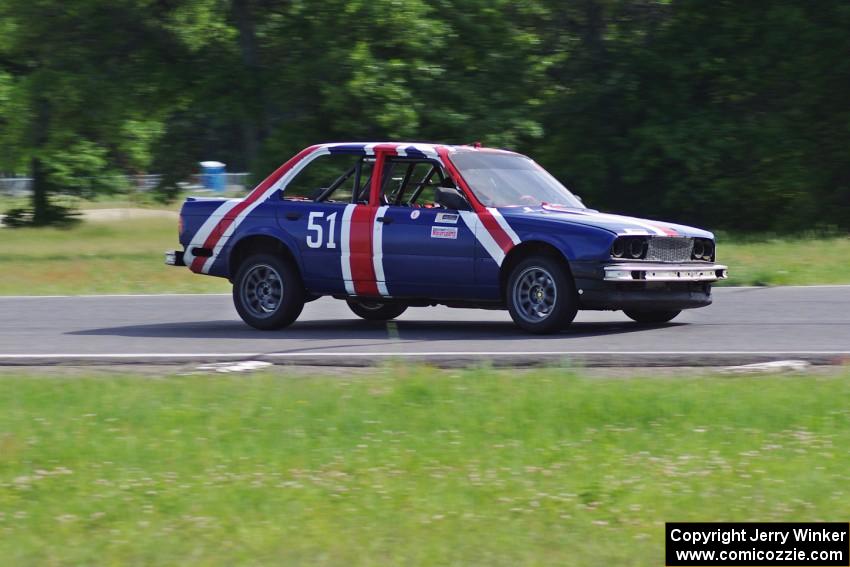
(407, 466)
(127, 257)
(801, 261)
(97, 257)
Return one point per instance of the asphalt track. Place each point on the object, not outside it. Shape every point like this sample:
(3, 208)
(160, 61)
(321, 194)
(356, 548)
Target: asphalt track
(745, 325)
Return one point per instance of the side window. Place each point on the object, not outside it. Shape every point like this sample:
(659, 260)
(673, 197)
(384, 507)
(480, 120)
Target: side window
(427, 196)
(365, 181)
(329, 178)
(411, 182)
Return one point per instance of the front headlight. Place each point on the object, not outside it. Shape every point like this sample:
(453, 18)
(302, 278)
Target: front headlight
(703, 249)
(629, 247)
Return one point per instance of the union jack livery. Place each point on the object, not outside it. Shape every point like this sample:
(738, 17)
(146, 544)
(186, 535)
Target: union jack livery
(385, 226)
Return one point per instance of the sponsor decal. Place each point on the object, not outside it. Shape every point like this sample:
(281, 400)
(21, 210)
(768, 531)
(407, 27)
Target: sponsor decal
(450, 218)
(444, 232)
(414, 214)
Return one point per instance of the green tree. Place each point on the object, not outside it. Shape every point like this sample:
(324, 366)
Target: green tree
(719, 113)
(724, 113)
(81, 90)
(299, 72)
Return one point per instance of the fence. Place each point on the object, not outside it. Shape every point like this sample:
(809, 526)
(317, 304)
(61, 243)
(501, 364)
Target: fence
(15, 186)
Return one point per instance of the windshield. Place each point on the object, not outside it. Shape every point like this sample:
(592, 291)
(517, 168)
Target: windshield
(508, 180)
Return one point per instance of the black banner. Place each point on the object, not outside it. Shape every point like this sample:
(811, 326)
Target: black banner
(757, 544)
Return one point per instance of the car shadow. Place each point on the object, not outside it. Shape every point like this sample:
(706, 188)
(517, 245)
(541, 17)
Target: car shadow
(331, 329)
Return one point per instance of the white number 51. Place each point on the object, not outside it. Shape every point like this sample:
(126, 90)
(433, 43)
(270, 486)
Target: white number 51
(314, 226)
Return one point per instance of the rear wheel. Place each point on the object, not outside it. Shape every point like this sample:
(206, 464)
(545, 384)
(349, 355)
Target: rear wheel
(268, 292)
(651, 317)
(376, 311)
(541, 295)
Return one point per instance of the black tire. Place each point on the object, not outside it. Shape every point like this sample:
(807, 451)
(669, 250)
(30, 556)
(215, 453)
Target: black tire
(259, 300)
(376, 311)
(541, 295)
(651, 317)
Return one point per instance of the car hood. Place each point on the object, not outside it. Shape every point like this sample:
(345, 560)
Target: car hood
(618, 224)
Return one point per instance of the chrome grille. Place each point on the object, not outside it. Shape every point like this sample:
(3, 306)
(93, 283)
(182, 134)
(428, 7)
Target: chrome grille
(666, 249)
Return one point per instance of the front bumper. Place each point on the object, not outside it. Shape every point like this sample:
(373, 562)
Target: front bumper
(174, 258)
(644, 272)
(645, 286)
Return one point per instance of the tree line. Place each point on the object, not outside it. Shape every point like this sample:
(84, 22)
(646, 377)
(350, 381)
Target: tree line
(728, 114)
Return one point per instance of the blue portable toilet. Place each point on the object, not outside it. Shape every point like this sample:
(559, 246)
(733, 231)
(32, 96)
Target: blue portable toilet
(212, 176)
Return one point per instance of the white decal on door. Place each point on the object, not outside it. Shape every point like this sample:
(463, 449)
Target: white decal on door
(444, 232)
(315, 232)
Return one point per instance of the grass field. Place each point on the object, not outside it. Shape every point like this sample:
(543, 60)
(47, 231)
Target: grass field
(102, 257)
(407, 466)
(801, 261)
(127, 257)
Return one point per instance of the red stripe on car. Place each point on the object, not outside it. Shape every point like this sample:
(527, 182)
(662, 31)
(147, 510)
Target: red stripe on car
(360, 244)
(496, 231)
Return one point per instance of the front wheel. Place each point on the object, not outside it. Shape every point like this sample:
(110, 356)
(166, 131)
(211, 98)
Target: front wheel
(268, 292)
(541, 295)
(375, 311)
(651, 317)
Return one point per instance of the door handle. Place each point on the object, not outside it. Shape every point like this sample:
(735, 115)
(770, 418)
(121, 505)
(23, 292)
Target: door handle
(293, 216)
(385, 220)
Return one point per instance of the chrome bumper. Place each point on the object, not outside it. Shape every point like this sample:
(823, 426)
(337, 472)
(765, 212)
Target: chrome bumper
(174, 258)
(665, 273)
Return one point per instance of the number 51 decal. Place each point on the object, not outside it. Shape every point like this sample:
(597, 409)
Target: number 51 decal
(313, 225)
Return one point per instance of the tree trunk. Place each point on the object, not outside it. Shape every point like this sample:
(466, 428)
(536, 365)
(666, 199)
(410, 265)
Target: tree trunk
(40, 185)
(593, 36)
(40, 203)
(252, 107)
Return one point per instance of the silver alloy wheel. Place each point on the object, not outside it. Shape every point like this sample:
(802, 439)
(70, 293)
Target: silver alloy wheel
(535, 294)
(262, 291)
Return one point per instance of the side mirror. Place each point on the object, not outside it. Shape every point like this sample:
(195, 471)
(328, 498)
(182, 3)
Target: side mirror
(451, 198)
(448, 183)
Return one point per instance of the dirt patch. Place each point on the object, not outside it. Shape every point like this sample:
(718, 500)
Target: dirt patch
(110, 215)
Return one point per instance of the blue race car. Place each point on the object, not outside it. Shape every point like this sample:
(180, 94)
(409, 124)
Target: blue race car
(385, 226)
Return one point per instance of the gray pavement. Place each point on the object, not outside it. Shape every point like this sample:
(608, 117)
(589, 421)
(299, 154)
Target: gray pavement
(744, 325)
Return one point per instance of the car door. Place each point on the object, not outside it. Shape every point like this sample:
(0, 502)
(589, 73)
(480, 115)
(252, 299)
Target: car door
(425, 251)
(317, 208)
